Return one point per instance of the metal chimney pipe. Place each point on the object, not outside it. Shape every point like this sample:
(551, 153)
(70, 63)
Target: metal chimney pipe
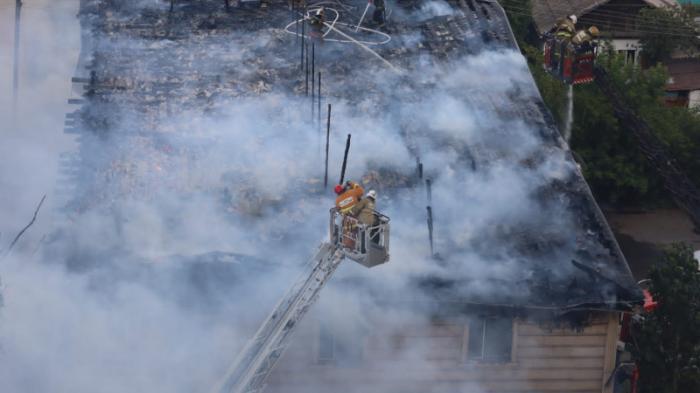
(328, 135)
(345, 160)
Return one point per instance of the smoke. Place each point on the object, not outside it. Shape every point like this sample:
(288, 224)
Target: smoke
(183, 221)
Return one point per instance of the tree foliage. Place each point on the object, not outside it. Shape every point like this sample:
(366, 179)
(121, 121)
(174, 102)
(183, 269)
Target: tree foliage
(613, 166)
(677, 128)
(667, 340)
(677, 28)
(612, 163)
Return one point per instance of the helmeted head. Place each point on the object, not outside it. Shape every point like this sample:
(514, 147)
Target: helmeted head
(573, 18)
(372, 195)
(593, 31)
(338, 189)
(319, 12)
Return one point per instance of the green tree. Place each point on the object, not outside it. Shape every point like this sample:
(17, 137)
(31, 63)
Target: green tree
(521, 22)
(677, 128)
(667, 340)
(665, 30)
(613, 165)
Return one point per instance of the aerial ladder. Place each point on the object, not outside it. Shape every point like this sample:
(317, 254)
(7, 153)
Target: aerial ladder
(367, 245)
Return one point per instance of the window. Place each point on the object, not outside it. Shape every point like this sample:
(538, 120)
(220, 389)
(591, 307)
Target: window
(630, 55)
(490, 340)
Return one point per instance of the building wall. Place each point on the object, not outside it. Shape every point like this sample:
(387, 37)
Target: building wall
(436, 358)
(694, 99)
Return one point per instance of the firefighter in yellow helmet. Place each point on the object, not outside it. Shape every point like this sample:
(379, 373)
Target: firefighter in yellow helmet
(566, 27)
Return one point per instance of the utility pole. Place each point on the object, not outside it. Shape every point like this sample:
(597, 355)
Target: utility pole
(15, 68)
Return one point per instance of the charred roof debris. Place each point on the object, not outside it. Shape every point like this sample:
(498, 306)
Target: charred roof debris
(145, 68)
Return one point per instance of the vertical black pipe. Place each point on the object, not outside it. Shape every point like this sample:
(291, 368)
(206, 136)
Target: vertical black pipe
(319, 100)
(296, 18)
(420, 170)
(303, 38)
(313, 79)
(15, 67)
(328, 137)
(429, 191)
(345, 160)
(172, 5)
(430, 229)
(306, 86)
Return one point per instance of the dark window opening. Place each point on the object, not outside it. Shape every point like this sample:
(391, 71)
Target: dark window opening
(630, 55)
(490, 340)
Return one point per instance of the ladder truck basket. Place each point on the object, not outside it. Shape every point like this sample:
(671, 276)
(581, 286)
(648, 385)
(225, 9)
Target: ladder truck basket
(571, 64)
(367, 245)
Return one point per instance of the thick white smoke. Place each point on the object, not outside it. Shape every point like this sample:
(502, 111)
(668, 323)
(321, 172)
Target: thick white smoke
(116, 299)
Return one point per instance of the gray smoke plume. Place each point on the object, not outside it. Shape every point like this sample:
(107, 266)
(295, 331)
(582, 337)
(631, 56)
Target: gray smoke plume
(182, 226)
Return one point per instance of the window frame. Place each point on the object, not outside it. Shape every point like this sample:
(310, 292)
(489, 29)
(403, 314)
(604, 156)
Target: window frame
(466, 359)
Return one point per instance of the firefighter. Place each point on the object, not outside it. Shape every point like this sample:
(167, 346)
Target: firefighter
(561, 43)
(364, 209)
(379, 15)
(364, 212)
(585, 36)
(348, 196)
(316, 24)
(566, 28)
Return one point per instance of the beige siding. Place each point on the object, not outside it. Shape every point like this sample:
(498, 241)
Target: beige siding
(432, 359)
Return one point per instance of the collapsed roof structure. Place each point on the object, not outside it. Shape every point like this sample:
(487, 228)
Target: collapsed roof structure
(443, 83)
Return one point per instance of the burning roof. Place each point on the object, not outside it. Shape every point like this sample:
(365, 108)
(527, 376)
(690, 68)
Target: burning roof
(200, 105)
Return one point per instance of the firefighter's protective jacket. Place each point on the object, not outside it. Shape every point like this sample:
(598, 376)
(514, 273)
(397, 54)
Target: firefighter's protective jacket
(345, 201)
(581, 37)
(364, 211)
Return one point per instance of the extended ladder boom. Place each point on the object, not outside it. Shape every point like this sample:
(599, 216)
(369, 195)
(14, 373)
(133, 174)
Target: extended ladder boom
(255, 362)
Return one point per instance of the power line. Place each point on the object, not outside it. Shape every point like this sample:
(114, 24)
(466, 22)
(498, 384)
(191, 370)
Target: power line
(645, 28)
(617, 20)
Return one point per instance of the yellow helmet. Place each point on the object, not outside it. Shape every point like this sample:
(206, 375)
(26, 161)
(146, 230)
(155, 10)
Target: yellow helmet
(594, 31)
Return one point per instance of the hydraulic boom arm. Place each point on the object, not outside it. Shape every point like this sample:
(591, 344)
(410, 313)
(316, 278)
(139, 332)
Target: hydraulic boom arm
(255, 362)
